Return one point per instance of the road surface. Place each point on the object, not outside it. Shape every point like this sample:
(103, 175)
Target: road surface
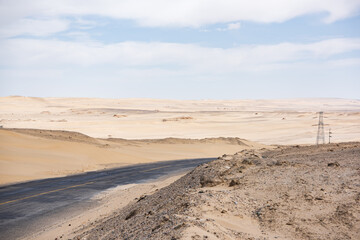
(29, 207)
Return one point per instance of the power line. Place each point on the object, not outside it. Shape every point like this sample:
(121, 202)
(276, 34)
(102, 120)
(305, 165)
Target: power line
(320, 139)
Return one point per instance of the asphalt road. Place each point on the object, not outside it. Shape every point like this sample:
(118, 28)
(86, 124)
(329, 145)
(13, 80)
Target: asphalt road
(29, 207)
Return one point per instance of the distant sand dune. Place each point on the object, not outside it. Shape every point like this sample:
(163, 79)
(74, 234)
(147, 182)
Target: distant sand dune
(288, 121)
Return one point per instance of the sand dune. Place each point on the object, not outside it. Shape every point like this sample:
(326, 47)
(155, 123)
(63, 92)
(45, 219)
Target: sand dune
(28, 154)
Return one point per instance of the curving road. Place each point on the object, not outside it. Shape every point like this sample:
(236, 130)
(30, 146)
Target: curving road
(31, 206)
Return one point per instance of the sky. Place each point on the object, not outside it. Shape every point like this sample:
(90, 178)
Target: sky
(183, 49)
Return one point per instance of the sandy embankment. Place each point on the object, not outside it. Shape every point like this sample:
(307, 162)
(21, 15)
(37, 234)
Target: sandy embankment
(35, 154)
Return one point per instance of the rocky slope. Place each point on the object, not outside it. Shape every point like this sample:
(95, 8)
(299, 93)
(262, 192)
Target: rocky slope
(297, 192)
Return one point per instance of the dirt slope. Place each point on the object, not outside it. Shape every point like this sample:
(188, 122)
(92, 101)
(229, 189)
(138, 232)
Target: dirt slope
(289, 193)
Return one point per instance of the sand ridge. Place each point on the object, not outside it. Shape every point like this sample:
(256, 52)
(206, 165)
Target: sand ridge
(29, 154)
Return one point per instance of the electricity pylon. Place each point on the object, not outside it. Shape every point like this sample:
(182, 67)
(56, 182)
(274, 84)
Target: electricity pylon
(320, 139)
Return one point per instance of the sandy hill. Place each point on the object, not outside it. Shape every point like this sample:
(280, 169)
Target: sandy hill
(28, 154)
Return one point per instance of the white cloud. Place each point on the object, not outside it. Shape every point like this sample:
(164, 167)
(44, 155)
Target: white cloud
(78, 36)
(233, 26)
(348, 62)
(33, 27)
(60, 54)
(230, 26)
(184, 13)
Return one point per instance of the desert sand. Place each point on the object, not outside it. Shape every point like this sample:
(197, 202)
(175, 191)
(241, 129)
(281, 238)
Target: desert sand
(29, 154)
(290, 121)
(254, 194)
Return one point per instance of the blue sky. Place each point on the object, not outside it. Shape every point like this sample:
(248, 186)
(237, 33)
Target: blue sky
(180, 49)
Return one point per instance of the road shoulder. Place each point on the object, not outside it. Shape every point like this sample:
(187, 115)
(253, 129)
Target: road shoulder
(107, 203)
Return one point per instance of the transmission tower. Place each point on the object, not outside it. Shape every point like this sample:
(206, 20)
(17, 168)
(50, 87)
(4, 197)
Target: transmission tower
(320, 139)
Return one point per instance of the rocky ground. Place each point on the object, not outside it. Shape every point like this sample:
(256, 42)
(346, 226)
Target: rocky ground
(296, 192)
